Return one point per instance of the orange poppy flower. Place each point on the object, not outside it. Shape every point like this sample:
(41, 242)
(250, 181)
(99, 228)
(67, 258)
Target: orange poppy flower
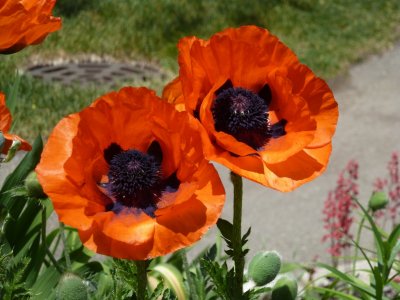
(128, 172)
(25, 22)
(268, 117)
(5, 124)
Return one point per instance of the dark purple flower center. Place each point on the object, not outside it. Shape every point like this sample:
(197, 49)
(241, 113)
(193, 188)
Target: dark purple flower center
(243, 114)
(135, 178)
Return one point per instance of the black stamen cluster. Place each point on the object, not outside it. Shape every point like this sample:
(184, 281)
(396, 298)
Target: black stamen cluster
(135, 179)
(243, 114)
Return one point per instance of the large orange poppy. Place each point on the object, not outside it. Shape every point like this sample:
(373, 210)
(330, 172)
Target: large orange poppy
(25, 22)
(268, 117)
(129, 173)
(5, 124)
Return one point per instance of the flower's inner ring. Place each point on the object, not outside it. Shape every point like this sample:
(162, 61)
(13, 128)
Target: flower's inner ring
(242, 114)
(135, 178)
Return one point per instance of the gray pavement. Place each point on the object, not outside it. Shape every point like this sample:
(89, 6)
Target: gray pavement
(368, 131)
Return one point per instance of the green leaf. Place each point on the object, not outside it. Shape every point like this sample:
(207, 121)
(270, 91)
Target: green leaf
(332, 292)
(245, 236)
(157, 291)
(17, 177)
(380, 245)
(352, 280)
(226, 228)
(45, 283)
(219, 277)
(255, 294)
(173, 279)
(394, 236)
(393, 254)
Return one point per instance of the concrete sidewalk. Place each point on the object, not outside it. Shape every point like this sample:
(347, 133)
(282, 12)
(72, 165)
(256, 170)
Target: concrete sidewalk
(368, 131)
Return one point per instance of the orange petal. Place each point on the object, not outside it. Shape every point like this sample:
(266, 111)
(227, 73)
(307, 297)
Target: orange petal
(73, 164)
(24, 23)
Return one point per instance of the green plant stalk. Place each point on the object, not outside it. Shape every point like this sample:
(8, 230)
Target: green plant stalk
(238, 257)
(141, 273)
(189, 277)
(44, 243)
(66, 250)
(358, 237)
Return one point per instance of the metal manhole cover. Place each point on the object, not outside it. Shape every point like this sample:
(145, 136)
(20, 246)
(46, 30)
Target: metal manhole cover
(95, 72)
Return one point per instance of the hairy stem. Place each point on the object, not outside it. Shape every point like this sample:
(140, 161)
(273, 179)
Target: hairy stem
(238, 256)
(141, 273)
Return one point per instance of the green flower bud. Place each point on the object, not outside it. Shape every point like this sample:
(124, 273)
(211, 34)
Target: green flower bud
(378, 201)
(12, 150)
(71, 287)
(264, 267)
(33, 187)
(285, 289)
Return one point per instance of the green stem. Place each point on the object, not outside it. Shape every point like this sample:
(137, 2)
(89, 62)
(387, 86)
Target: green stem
(44, 223)
(192, 286)
(54, 261)
(238, 256)
(66, 250)
(358, 237)
(141, 273)
(44, 242)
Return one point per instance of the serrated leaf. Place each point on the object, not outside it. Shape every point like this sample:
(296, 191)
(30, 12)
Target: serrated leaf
(245, 236)
(220, 277)
(226, 229)
(158, 291)
(168, 295)
(254, 294)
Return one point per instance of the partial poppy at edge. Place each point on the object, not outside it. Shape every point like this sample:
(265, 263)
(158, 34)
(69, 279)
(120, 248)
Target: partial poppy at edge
(5, 125)
(268, 117)
(24, 23)
(91, 167)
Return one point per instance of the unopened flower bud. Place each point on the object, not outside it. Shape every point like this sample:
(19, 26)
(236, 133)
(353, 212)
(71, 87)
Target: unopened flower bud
(71, 287)
(33, 187)
(264, 267)
(378, 201)
(285, 289)
(16, 144)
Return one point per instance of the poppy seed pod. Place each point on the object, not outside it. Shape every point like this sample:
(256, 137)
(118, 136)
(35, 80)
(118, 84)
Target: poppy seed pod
(264, 267)
(284, 289)
(378, 201)
(33, 187)
(71, 287)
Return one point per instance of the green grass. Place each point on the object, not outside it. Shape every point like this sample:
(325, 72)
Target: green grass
(327, 35)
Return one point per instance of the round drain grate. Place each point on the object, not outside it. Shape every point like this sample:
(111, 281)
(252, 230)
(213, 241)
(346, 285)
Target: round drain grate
(101, 73)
